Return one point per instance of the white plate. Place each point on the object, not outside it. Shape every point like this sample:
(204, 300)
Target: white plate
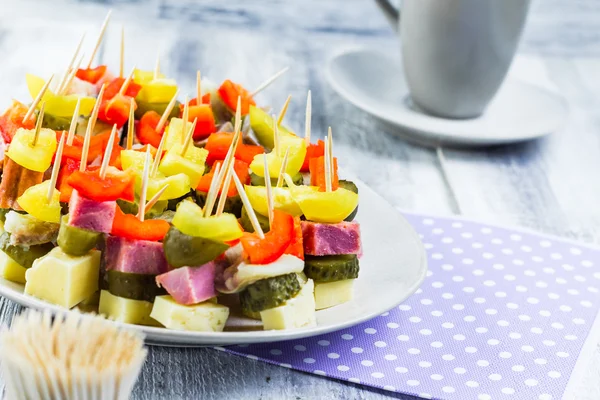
(375, 83)
(393, 266)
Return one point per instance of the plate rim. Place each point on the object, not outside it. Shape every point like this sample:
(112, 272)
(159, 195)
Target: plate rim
(174, 338)
(436, 137)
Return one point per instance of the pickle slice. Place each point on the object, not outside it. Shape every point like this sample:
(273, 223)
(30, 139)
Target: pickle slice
(349, 185)
(76, 241)
(143, 107)
(247, 225)
(172, 204)
(129, 207)
(269, 293)
(23, 255)
(256, 180)
(233, 205)
(331, 268)
(56, 123)
(185, 250)
(133, 286)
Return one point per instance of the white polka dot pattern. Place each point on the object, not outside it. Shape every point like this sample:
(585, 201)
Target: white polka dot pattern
(501, 315)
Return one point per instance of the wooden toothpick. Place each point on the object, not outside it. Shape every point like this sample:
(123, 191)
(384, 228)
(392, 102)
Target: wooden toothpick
(38, 125)
(155, 199)
(63, 89)
(131, 124)
(307, 118)
(188, 138)
(37, 100)
(108, 152)
(56, 166)
(269, 191)
(157, 66)
(327, 167)
(268, 82)
(198, 88)
(185, 116)
(284, 110)
(163, 119)
(90, 128)
(283, 168)
(275, 136)
(100, 37)
(126, 83)
(225, 190)
(248, 207)
(73, 58)
(330, 155)
(142, 208)
(158, 157)
(73, 126)
(212, 190)
(122, 53)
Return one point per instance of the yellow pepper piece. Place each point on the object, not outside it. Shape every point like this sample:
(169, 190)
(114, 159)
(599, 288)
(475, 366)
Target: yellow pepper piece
(189, 219)
(296, 156)
(262, 126)
(173, 163)
(142, 77)
(158, 91)
(174, 132)
(282, 200)
(178, 185)
(35, 201)
(133, 159)
(194, 154)
(328, 207)
(60, 106)
(36, 158)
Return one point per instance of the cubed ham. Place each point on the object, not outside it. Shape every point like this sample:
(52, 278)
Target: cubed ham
(190, 285)
(331, 239)
(90, 214)
(135, 256)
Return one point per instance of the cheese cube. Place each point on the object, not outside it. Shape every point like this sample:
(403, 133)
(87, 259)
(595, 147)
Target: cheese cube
(124, 310)
(329, 294)
(298, 312)
(10, 269)
(63, 279)
(204, 317)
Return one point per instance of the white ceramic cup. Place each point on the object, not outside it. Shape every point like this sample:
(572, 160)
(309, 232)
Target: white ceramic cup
(456, 53)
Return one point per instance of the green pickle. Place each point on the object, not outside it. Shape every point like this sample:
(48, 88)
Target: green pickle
(133, 286)
(269, 293)
(143, 107)
(23, 255)
(129, 207)
(256, 180)
(233, 205)
(247, 225)
(76, 241)
(185, 250)
(172, 204)
(56, 123)
(331, 268)
(3, 212)
(167, 215)
(349, 185)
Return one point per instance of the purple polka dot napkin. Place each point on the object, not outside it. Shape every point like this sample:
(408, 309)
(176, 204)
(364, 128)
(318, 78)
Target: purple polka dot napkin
(503, 314)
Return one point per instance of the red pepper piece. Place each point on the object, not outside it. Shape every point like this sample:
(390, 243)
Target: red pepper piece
(218, 144)
(229, 93)
(194, 101)
(317, 173)
(275, 243)
(12, 119)
(206, 120)
(68, 167)
(113, 88)
(115, 185)
(241, 170)
(296, 247)
(130, 227)
(116, 110)
(146, 132)
(91, 75)
(312, 151)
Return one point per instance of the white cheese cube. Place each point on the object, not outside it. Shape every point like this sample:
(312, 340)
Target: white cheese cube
(203, 317)
(10, 269)
(62, 279)
(298, 312)
(125, 310)
(329, 294)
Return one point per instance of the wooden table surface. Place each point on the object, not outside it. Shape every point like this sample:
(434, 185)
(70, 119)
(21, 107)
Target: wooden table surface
(550, 185)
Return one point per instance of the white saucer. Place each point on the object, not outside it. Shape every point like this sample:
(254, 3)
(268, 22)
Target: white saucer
(374, 82)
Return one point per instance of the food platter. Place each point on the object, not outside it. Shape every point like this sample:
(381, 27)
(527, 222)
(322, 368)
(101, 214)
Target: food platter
(393, 266)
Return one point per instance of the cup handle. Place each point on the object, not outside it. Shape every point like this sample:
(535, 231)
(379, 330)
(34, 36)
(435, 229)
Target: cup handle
(391, 13)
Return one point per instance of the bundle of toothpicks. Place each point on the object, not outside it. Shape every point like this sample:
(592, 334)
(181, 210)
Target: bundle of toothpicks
(69, 356)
